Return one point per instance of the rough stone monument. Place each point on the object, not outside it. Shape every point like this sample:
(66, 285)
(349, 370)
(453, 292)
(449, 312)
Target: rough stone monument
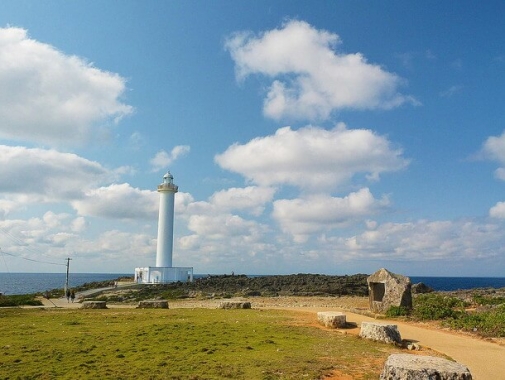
(388, 289)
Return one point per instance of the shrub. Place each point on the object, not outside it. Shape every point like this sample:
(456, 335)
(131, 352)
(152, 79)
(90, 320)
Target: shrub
(436, 306)
(18, 300)
(489, 324)
(397, 311)
(483, 300)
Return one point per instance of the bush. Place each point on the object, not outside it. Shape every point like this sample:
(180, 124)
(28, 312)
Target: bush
(484, 301)
(397, 311)
(436, 306)
(18, 300)
(490, 323)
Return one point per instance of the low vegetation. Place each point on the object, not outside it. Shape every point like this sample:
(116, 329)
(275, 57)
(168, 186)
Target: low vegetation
(178, 344)
(19, 300)
(482, 314)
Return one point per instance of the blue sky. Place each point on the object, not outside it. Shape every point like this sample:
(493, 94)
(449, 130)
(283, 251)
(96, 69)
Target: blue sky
(330, 137)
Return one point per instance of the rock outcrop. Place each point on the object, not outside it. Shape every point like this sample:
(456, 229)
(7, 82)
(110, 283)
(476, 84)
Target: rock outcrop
(94, 305)
(234, 305)
(153, 304)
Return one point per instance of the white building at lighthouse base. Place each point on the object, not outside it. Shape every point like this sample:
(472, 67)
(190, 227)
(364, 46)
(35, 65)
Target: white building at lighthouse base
(163, 275)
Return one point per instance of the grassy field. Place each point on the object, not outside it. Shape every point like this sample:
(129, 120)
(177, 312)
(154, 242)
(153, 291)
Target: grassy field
(178, 344)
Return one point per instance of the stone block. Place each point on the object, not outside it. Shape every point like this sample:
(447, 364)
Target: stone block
(94, 305)
(380, 332)
(333, 319)
(153, 304)
(234, 305)
(417, 367)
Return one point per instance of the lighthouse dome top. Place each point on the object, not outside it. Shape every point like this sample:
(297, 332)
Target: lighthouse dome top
(168, 177)
(168, 184)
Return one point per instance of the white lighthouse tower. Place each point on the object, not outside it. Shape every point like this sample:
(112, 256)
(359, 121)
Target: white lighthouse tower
(164, 248)
(164, 272)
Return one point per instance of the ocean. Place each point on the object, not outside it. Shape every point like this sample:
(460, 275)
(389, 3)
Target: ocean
(25, 283)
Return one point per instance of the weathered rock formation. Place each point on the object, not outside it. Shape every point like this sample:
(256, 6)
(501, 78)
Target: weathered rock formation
(388, 289)
(380, 332)
(417, 367)
(234, 305)
(153, 304)
(94, 305)
(333, 319)
(421, 288)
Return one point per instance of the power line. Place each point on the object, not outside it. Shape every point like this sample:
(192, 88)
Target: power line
(21, 243)
(28, 259)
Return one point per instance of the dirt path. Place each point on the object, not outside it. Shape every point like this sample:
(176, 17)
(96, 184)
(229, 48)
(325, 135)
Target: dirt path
(485, 359)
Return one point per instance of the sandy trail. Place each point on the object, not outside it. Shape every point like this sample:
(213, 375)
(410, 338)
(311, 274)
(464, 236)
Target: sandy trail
(485, 359)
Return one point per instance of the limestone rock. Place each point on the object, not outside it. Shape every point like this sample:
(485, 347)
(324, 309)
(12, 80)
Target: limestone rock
(333, 319)
(388, 289)
(417, 367)
(234, 305)
(153, 304)
(380, 332)
(421, 288)
(94, 305)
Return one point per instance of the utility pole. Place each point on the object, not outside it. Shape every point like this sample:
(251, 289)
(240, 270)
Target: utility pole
(66, 281)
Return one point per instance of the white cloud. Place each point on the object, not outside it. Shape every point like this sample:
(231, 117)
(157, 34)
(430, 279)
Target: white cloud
(162, 159)
(498, 211)
(52, 238)
(53, 98)
(79, 224)
(313, 79)
(305, 216)
(7, 206)
(118, 202)
(494, 149)
(312, 158)
(425, 240)
(47, 175)
(29, 238)
(251, 198)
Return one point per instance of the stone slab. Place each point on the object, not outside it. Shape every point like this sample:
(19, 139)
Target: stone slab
(417, 367)
(334, 319)
(380, 332)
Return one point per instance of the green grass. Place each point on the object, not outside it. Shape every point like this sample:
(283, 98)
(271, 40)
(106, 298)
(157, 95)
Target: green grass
(177, 344)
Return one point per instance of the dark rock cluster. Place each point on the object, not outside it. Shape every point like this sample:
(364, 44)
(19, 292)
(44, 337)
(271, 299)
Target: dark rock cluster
(266, 286)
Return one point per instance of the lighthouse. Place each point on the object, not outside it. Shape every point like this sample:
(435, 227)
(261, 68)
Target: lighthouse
(165, 243)
(164, 272)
